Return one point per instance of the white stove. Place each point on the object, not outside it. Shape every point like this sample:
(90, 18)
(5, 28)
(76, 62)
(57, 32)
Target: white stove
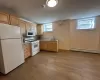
(35, 47)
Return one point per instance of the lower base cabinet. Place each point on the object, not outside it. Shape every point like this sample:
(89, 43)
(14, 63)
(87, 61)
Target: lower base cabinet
(27, 50)
(49, 45)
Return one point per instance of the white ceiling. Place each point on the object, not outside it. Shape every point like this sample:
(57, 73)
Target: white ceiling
(66, 9)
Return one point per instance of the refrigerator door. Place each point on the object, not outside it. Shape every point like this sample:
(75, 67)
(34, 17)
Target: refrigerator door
(13, 54)
(9, 31)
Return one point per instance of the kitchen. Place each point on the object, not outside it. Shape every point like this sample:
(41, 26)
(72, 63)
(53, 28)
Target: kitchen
(29, 41)
(49, 40)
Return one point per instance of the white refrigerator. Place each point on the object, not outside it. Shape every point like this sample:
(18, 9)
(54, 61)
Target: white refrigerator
(11, 50)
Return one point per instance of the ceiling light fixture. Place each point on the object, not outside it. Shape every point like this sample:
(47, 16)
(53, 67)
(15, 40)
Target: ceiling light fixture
(51, 3)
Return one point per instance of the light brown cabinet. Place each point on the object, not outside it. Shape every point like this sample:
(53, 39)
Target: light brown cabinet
(22, 25)
(49, 45)
(31, 26)
(14, 20)
(52, 46)
(28, 26)
(4, 18)
(43, 45)
(39, 29)
(34, 25)
(27, 50)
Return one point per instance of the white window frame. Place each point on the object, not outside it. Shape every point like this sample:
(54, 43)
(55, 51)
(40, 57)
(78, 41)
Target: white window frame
(45, 27)
(89, 20)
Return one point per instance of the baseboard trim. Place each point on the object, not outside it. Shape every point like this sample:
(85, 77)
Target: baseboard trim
(63, 50)
(92, 51)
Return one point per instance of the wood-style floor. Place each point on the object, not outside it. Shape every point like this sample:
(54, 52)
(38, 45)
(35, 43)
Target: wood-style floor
(58, 66)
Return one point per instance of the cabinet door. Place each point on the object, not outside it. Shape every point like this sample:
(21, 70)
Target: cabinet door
(27, 50)
(34, 25)
(22, 26)
(52, 46)
(28, 26)
(14, 20)
(43, 45)
(4, 18)
(39, 29)
(31, 26)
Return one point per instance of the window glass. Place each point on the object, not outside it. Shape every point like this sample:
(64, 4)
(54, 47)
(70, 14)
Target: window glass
(48, 27)
(88, 23)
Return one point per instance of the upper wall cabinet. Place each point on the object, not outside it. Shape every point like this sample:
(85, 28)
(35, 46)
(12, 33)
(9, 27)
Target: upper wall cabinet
(34, 24)
(4, 18)
(39, 29)
(14, 20)
(22, 25)
(28, 26)
(31, 26)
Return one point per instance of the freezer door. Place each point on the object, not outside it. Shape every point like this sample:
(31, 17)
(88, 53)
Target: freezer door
(13, 54)
(9, 31)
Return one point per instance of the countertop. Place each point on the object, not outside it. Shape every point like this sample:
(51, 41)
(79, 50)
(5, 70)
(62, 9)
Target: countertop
(30, 42)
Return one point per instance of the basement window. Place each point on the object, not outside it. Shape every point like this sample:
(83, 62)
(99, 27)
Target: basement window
(47, 27)
(87, 23)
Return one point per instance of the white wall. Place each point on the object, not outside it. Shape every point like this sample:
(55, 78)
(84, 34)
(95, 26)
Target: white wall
(60, 32)
(86, 40)
(72, 39)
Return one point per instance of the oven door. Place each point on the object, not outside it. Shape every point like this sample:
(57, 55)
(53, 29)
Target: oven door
(35, 47)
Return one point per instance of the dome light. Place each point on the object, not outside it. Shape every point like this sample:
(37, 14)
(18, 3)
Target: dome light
(52, 3)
